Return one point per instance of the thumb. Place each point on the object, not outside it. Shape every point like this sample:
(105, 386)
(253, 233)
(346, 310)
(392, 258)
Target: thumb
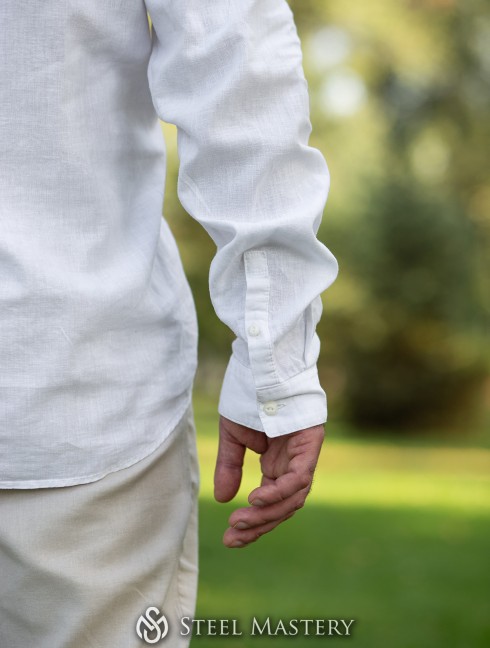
(229, 464)
(234, 439)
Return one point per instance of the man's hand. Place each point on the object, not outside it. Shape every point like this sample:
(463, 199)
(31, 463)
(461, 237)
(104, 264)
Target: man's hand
(287, 462)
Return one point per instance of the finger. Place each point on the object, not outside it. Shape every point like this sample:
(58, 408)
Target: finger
(299, 474)
(233, 441)
(282, 488)
(234, 538)
(267, 480)
(254, 516)
(228, 470)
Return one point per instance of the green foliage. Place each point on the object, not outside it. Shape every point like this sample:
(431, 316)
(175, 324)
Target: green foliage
(413, 352)
(409, 210)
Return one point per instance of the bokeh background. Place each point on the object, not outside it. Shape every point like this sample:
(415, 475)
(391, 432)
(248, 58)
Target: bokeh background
(396, 530)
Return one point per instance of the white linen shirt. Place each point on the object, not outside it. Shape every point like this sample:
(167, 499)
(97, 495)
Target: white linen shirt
(98, 329)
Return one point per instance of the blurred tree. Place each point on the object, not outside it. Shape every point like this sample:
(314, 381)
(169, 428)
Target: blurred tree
(413, 352)
(412, 235)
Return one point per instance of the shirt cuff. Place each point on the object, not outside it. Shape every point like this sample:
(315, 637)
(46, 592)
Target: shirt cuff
(295, 404)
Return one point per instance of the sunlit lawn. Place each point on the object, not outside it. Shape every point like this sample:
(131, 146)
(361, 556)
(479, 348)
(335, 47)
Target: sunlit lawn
(395, 536)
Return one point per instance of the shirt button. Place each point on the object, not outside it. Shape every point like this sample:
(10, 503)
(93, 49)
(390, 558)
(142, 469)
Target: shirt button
(270, 408)
(253, 330)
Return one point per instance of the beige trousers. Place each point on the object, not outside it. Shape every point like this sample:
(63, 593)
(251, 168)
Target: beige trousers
(80, 564)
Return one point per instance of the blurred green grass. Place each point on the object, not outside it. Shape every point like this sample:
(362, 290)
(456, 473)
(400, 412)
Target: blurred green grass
(394, 535)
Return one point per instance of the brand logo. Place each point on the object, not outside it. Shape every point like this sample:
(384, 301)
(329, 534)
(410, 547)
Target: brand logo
(153, 626)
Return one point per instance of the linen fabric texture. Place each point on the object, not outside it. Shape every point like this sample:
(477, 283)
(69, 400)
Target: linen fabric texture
(98, 329)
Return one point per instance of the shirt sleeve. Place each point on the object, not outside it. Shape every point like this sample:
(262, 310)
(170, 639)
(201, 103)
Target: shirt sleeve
(229, 75)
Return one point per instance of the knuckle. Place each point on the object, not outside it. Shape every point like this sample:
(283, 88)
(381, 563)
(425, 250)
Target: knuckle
(299, 504)
(305, 481)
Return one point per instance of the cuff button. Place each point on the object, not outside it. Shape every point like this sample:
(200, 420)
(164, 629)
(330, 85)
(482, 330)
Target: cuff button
(270, 408)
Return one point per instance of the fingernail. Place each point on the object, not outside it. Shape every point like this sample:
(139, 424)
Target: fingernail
(257, 502)
(237, 543)
(241, 525)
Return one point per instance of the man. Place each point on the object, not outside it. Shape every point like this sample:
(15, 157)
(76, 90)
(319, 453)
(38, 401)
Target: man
(98, 331)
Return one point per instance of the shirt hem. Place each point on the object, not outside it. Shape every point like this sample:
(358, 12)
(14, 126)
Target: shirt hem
(86, 479)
